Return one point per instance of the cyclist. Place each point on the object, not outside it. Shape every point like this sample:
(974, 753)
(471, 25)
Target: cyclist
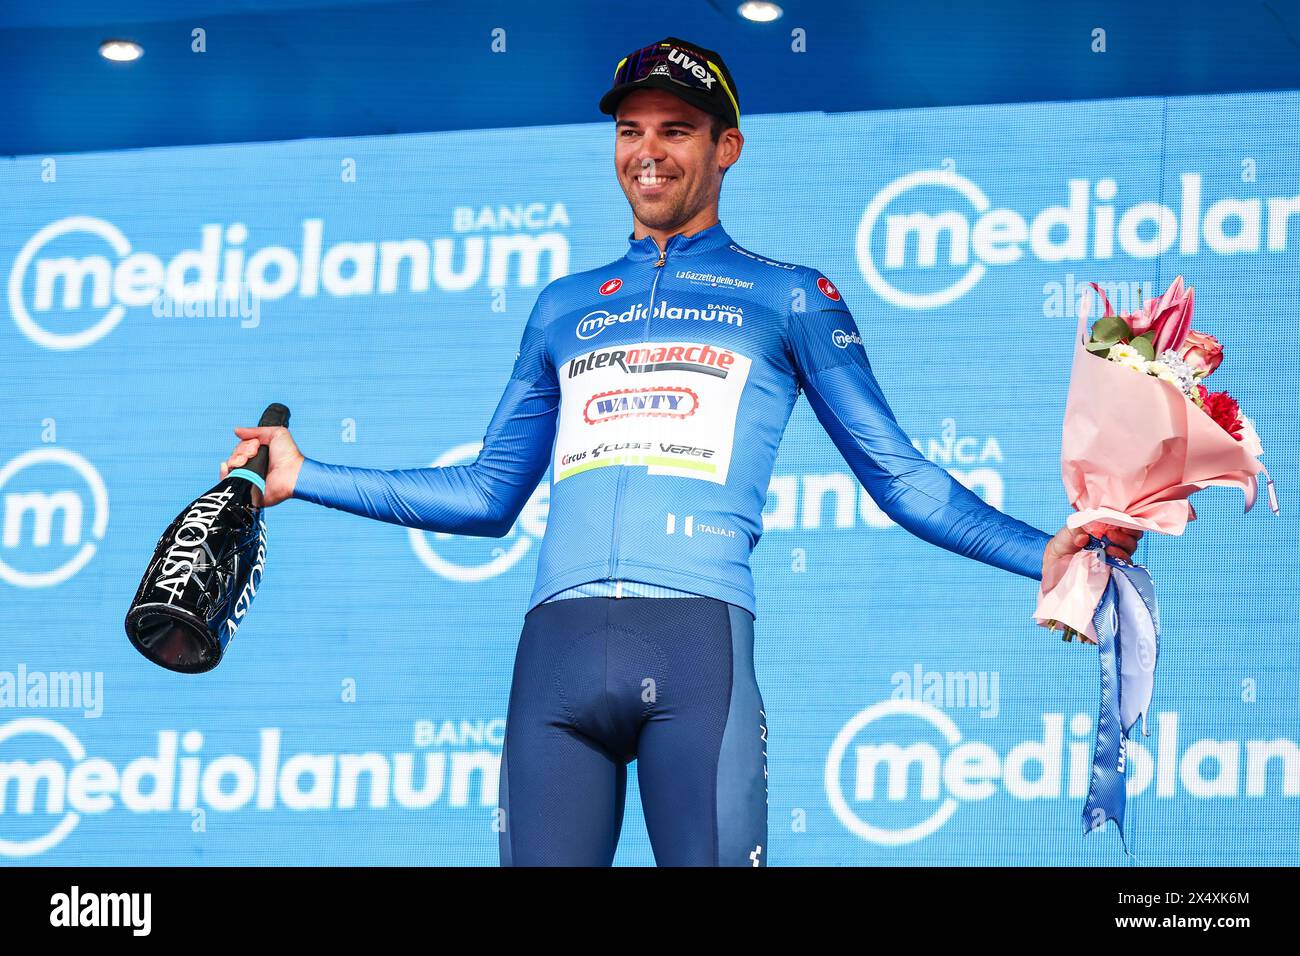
(657, 388)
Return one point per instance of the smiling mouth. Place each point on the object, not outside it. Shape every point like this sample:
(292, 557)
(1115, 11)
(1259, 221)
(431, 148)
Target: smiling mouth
(652, 182)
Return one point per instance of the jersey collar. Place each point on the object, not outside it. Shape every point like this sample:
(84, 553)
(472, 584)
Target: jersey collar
(706, 240)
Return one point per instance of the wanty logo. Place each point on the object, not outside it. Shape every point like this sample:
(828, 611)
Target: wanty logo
(900, 755)
(658, 402)
(27, 517)
(44, 798)
(1088, 227)
(72, 282)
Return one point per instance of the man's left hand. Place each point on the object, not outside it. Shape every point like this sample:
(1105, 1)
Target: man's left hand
(1070, 541)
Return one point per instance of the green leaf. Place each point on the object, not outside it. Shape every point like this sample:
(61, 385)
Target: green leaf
(1146, 345)
(1100, 348)
(1111, 329)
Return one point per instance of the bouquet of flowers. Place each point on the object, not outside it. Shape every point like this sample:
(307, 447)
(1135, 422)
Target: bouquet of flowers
(1142, 434)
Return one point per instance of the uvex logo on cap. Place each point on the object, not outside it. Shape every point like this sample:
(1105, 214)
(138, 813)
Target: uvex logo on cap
(610, 286)
(688, 59)
(828, 289)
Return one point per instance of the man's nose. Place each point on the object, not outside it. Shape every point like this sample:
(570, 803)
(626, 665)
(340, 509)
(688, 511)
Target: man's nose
(650, 149)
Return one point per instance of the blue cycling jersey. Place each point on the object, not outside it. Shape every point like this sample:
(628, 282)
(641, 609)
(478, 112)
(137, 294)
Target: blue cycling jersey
(657, 389)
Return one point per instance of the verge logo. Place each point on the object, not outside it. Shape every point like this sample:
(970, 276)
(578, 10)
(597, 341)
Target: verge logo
(1089, 227)
(42, 506)
(435, 548)
(949, 771)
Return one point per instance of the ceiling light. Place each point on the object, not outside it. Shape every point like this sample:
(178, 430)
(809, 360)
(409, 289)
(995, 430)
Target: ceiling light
(121, 51)
(759, 12)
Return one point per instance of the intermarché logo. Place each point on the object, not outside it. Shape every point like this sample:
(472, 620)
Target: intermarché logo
(1095, 224)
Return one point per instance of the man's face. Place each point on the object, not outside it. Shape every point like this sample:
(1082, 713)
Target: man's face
(667, 164)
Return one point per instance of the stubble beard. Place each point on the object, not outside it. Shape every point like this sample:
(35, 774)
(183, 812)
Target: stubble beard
(659, 215)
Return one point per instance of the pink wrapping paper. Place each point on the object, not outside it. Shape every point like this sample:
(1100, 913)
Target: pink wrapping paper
(1133, 450)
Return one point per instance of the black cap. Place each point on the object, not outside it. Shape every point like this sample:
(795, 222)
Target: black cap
(719, 96)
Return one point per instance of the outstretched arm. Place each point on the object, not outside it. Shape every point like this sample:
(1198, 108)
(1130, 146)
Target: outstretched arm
(482, 498)
(835, 373)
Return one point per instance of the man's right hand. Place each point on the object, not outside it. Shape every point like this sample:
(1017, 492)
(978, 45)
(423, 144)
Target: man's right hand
(286, 460)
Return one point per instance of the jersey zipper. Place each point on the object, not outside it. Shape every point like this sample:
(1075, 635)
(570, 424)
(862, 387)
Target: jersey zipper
(622, 471)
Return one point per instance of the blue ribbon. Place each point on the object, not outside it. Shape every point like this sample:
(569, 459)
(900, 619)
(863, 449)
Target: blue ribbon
(1127, 622)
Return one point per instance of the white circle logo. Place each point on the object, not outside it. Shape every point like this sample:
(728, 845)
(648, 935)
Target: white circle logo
(927, 229)
(503, 558)
(77, 753)
(835, 760)
(18, 308)
(43, 506)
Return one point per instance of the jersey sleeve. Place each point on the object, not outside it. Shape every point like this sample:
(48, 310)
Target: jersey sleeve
(835, 373)
(482, 498)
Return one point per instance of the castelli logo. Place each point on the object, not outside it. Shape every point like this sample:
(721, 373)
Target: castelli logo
(612, 286)
(828, 289)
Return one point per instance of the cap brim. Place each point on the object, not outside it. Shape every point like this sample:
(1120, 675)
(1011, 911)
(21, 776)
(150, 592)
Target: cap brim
(609, 102)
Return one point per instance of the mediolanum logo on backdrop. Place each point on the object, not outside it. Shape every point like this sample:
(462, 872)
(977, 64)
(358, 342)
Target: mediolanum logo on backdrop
(74, 280)
(901, 769)
(50, 782)
(929, 237)
(53, 516)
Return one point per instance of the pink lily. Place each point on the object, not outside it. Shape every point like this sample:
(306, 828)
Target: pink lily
(1154, 311)
(1171, 316)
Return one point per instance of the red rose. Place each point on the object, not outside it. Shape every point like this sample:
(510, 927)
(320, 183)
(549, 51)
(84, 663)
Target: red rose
(1222, 407)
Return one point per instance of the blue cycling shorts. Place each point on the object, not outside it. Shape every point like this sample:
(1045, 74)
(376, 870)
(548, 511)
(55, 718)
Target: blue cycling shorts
(602, 681)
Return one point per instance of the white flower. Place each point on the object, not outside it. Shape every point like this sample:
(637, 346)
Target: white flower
(1127, 356)
(1163, 372)
(1182, 370)
(1174, 360)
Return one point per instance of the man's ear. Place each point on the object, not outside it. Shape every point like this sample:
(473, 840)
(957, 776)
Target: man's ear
(732, 136)
(725, 148)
